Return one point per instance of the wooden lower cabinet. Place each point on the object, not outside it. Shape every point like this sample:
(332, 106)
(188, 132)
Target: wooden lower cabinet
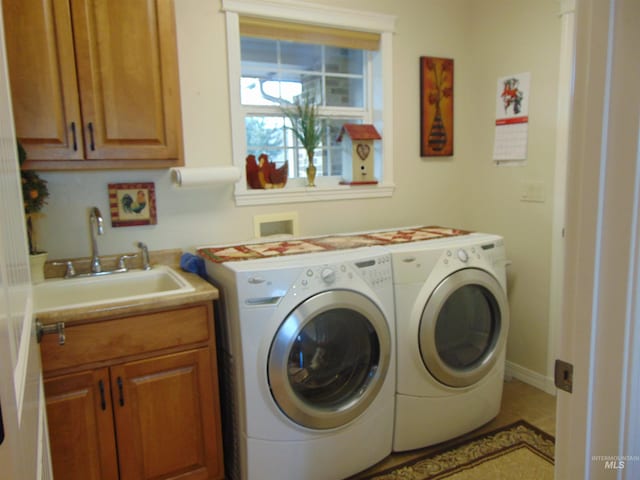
(150, 418)
(83, 446)
(164, 418)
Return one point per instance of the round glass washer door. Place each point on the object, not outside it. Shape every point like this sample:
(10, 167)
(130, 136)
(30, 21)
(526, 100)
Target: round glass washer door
(463, 327)
(329, 359)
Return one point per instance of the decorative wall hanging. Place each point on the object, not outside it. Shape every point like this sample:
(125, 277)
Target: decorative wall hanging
(132, 204)
(436, 107)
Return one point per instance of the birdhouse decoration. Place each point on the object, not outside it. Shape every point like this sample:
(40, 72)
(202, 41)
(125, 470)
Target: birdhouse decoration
(358, 153)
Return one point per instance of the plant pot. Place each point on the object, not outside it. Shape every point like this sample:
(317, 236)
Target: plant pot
(36, 262)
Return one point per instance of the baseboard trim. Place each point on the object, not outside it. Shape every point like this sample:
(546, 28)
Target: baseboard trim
(535, 379)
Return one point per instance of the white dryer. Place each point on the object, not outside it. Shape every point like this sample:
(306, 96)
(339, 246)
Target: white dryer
(452, 319)
(309, 359)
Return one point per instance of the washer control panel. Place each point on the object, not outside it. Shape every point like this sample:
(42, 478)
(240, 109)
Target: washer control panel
(376, 272)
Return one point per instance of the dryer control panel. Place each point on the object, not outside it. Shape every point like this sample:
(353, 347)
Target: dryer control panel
(464, 255)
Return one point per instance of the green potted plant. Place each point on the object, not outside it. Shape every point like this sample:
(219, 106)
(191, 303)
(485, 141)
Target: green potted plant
(34, 195)
(307, 128)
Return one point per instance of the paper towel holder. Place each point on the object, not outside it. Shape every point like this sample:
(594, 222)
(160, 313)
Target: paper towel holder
(204, 176)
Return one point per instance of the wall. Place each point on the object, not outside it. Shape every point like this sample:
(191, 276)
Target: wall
(210, 216)
(487, 39)
(515, 37)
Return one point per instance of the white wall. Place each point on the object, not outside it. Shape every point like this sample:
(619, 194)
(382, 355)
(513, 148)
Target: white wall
(514, 37)
(187, 218)
(487, 39)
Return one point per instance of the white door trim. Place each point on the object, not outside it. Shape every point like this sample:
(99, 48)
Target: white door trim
(600, 329)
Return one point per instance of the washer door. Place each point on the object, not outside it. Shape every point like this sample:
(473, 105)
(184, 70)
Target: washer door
(329, 359)
(463, 327)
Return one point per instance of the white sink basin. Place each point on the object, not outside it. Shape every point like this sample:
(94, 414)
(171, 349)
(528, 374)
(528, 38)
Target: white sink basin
(59, 294)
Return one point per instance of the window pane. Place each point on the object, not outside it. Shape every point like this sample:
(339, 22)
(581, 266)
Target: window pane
(264, 132)
(312, 88)
(344, 60)
(301, 56)
(259, 50)
(345, 92)
(279, 72)
(267, 90)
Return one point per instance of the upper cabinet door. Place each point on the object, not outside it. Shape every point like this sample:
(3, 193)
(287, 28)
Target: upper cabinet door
(42, 70)
(95, 83)
(126, 58)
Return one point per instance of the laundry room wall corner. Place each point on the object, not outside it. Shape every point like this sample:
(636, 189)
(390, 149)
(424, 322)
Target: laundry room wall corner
(505, 43)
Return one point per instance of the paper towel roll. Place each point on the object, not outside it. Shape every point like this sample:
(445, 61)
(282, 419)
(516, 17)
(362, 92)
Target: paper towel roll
(204, 176)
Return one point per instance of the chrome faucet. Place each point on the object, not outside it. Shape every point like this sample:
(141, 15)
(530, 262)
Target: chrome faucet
(95, 217)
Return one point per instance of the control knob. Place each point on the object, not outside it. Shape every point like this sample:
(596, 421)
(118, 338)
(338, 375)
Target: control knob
(463, 256)
(328, 275)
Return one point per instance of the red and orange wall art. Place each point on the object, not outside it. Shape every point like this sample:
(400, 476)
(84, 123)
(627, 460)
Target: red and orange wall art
(436, 107)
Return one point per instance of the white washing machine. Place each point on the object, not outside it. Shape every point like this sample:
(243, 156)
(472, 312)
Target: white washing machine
(309, 358)
(452, 319)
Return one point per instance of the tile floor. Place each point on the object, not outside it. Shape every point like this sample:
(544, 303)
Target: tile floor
(519, 401)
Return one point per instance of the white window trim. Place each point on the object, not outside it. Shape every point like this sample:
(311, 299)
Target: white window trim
(328, 188)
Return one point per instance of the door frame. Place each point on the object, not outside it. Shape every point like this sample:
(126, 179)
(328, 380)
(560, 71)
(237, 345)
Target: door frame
(24, 451)
(596, 427)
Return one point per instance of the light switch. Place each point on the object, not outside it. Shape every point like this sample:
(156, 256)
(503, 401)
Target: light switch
(532, 192)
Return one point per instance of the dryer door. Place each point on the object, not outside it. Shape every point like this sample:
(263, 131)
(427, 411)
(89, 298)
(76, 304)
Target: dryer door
(463, 327)
(329, 359)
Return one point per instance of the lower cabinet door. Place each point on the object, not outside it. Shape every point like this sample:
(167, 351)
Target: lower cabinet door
(165, 417)
(81, 425)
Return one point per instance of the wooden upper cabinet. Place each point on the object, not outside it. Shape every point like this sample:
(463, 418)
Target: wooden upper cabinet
(127, 72)
(103, 91)
(42, 71)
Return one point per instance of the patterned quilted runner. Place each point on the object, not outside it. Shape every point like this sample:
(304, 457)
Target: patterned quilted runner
(323, 244)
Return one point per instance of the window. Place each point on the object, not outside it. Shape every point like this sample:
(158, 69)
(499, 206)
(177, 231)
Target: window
(277, 56)
(277, 73)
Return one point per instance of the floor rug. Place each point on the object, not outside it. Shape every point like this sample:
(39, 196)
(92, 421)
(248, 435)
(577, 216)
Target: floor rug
(516, 451)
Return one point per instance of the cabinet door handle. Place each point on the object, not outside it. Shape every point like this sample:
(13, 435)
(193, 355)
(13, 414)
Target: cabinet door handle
(75, 138)
(93, 143)
(1, 426)
(103, 401)
(120, 391)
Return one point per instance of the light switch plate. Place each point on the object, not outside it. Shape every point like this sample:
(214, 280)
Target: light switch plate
(532, 192)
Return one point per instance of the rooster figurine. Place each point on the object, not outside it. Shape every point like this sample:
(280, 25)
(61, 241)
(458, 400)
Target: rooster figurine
(264, 174)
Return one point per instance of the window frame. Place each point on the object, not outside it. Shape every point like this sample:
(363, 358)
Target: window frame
(328, 188)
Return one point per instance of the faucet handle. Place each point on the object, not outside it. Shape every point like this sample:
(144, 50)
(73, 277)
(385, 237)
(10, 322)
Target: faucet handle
(146, 264)
(71, 271)
(122, 264)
